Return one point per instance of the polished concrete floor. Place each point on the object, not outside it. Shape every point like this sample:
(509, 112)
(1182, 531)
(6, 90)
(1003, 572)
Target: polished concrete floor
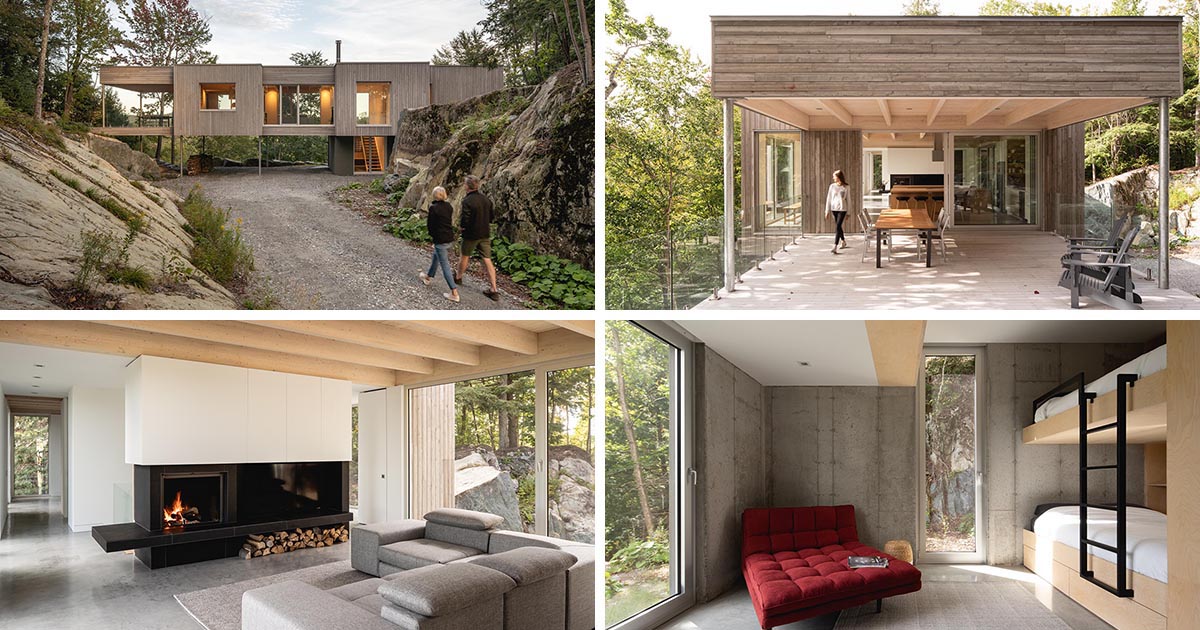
(732, 611)
(51, 577)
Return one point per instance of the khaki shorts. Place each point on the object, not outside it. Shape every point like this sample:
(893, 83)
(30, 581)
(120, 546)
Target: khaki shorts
(483, 244)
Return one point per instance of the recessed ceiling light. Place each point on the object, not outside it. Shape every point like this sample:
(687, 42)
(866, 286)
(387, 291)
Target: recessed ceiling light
(38, 365)
(37, 376)
(36, 386)
(820, 108)
(802, 363)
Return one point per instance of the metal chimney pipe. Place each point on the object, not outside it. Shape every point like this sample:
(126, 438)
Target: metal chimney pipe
(339, 51)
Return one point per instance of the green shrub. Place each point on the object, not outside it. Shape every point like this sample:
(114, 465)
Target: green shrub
(131, 276)
(219, 249)
(96, 248)
(47, 134)
(642, 554)
(67, 179)
(376, 186)
(395, 198)
(350, 186)
(135, 220)
(1183, 196)
(407, 224)
(75, 128)
(550, 279)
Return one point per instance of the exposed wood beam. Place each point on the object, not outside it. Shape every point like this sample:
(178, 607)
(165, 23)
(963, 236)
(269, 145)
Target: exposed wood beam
(896, 347)
(893, 135)
(1031, 109)
(838, 110)
(553, 345)
(1087, 109)
(885, 110)
(380, 335)
(250, 336)
(984, 108)
(778, 109)
(934, 111)
(92, 337)
(34, 405)
(478, 332)
(922, 135)
(585, 327)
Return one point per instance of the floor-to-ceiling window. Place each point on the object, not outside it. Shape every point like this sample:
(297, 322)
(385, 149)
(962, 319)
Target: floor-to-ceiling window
(298, 105)
(371, 103)
(30, 456)
(996, 180)
(778, 186)
(952, 489)
(646, 501)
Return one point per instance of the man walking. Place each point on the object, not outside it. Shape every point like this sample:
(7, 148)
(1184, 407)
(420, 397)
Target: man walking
(476, 221)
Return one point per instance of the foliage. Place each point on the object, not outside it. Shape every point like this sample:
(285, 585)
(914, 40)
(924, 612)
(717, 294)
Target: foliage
(136, 277)
(550, 278)
(100, 255)
(1183, 196)
(1018, 7)
(86, 30)
(135, 220)
(308, 58)
(467, 48)
(353, 453)
(162, 33)
(95, 250)
(350, 186)
(407, 224)
(663, 174)
(642, 554)
(31, 455)
(922, 7)
(395, 198)
(15, 119)
(219, 249)
(949, 439)
(376, 186)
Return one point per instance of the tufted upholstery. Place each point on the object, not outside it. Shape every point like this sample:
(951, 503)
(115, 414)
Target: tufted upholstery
(794, 562)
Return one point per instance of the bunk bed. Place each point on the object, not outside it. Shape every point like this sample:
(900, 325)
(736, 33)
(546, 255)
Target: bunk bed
(1111, 558)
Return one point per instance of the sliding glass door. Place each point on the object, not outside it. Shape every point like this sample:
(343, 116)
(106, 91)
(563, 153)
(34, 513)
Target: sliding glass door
(996, 180)
(647, 498)
(952, 490)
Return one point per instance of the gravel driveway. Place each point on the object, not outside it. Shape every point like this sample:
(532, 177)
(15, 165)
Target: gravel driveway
(319, 255)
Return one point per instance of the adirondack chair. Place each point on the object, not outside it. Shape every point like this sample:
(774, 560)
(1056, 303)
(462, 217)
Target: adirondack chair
(1103, 244)
(1104, 275)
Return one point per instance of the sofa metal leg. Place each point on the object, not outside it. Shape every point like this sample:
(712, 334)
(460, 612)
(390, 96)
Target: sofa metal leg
(878, 606)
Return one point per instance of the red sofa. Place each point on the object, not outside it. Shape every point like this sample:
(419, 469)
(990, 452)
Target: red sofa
(794, 561)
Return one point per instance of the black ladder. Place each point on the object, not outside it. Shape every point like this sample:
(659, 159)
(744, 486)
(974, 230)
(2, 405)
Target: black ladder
(1124, 383)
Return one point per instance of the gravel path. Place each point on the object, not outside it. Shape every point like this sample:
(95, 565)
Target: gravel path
(319, 255)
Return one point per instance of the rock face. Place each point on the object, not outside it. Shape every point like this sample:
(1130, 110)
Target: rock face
(134, 165)
(1139, 187)
(532, 148)
(43, 218)
(490, 481)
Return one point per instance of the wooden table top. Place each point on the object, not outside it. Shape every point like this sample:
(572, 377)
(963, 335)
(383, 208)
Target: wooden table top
(901, 219)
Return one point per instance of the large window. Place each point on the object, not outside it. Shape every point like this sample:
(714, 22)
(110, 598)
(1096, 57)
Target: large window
(298, 105)
(779, 177)
(371, 103)
(645, 496)
(218, 96)
(31, 455)
(995, 180)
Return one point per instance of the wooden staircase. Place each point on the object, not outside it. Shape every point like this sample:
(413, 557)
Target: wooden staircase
(366, 155)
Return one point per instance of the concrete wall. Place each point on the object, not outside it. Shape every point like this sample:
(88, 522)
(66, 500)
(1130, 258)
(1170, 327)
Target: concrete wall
(732, 460)
(100, 481)
(4, 448)
(58, 468)
(857, 445)
(1018, 476)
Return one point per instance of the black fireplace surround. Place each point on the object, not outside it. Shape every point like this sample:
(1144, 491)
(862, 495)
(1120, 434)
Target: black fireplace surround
(220, 504)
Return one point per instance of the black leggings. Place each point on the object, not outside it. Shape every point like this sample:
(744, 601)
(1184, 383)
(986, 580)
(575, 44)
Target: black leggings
(840, 217)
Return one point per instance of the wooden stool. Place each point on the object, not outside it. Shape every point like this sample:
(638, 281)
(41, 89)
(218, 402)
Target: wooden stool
(900, 549)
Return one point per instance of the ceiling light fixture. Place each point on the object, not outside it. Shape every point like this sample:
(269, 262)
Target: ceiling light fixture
(38, 365)
(35, 376)
(802, 363)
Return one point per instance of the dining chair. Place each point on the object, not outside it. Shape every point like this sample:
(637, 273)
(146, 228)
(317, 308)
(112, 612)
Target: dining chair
(864, 218)
(939, 235)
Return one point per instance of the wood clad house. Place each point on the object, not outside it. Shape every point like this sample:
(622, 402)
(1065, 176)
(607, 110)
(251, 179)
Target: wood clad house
(356, 105)
(982, 116)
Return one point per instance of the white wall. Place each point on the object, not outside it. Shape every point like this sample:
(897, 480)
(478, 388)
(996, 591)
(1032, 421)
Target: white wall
(383, 455)
(4, 461)
(910, 161)
(100, 481)
(58, 469)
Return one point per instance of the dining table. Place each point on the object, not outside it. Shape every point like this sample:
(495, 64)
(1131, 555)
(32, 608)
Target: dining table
(901, 219)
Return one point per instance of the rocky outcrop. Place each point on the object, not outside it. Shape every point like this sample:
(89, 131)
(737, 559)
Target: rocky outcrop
(533, 149)
(490, 481)
(1125, 192)
(134, 165)
(45, 212)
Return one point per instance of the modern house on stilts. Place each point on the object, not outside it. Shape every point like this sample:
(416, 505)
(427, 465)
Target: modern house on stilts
(356, 105)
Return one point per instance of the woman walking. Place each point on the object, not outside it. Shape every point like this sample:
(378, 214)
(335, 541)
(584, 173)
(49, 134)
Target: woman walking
(441, 228)
(837, 201)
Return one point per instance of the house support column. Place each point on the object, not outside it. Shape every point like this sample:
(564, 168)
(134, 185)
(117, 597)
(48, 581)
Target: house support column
(182, 155)
(103, 109)
(260, 155)
(730, 264)
(1164, 193)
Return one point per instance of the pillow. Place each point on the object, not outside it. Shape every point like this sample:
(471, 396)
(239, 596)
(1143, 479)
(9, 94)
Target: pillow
(527, 564)
(441, 589)
(465, 519)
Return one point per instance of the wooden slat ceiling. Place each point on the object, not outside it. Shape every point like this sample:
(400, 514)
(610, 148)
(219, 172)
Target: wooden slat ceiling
(940, 114)
(34, 405)
(375, 353)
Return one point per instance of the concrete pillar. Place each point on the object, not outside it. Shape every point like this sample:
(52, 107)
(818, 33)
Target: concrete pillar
(260, 155)
(1164, 192)
(730, 209)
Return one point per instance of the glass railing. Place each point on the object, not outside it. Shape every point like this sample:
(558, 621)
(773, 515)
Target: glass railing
(676, 271)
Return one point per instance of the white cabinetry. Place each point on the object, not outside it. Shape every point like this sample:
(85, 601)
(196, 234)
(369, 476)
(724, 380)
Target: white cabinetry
(382, 455)
(185, 412)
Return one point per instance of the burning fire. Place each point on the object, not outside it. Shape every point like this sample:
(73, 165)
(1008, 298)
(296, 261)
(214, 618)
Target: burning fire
(178, 513)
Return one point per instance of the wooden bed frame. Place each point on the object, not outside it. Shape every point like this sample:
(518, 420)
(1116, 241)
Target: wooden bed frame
(1058, 564)
(1147, 417)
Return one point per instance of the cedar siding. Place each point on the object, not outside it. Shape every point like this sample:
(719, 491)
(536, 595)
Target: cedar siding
(409, 89)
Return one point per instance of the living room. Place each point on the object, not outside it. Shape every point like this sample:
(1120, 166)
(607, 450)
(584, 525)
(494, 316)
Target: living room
(175, 473)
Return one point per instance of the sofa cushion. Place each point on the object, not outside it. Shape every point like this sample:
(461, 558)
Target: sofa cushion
(355, 590)
(372, 603)
(413, 554)
(473, 538)
(788, 529)
(466, 519)
(438, 590)
(527, 565)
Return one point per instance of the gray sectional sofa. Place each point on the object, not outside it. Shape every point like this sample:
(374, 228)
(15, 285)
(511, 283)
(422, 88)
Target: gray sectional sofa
(451, 571)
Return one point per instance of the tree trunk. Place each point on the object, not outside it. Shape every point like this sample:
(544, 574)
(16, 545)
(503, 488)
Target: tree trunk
(510, 429)
(586, 33)
(579, 56)
(41, 81)
(619, 364)
(591, 393)
(69, 98)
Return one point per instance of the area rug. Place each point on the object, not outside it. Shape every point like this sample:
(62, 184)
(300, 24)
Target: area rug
(220, 607)
(956, 606)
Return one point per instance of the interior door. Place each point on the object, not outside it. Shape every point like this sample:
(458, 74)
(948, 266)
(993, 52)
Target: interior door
(952, 487)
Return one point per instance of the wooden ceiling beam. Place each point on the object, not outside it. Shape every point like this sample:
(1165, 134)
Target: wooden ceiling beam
(478, 332)
(585, 327)
(1031, 109)
(553, 345)
(934, 111)
(838, 110)
(984, 108)
(380, 335)
(779, 109)
(885, 110)
(104, 339)
(246, 334)
(33, 405)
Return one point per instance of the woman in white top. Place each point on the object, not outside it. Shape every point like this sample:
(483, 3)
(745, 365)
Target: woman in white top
(837, 201)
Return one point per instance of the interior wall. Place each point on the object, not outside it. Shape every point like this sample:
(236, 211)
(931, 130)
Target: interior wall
(4, 448)
(732, 460)
(100, 481)
(856, 445)
(57, 466)
(906, 161)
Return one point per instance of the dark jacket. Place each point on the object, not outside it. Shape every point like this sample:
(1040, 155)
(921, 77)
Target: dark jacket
(476, 216)
(441, 222)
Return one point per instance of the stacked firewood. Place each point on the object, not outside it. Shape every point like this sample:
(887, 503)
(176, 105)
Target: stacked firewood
(282, 542)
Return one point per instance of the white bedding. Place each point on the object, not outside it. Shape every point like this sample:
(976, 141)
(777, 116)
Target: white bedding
(1146, 535)
(1145, 365)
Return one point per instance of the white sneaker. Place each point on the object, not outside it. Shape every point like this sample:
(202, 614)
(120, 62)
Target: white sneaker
(426, 279)
(451, 297)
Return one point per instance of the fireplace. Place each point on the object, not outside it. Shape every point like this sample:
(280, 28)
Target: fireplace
(192, 498)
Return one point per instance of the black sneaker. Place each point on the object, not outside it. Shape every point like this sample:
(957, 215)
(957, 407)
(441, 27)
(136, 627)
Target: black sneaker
(493, 294)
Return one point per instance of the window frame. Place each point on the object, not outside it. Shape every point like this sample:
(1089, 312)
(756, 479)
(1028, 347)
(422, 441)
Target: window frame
(386, 95)
(232, 97)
